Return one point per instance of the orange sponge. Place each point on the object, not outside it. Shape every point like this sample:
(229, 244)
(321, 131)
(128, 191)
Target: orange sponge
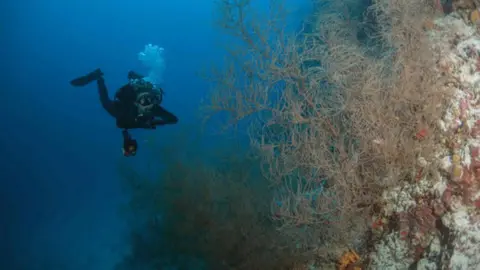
(347, 261)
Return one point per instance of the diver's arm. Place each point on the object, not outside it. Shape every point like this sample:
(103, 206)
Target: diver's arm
(107, 103)
(167, 118)
(126, 135)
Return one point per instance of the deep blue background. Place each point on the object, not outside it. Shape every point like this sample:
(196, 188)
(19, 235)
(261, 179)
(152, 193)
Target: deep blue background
(59, 151)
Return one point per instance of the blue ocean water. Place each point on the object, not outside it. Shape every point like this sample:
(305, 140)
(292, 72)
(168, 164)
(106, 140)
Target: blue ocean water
(59, 150)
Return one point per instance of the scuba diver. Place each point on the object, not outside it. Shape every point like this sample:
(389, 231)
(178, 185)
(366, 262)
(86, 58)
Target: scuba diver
(136, 105)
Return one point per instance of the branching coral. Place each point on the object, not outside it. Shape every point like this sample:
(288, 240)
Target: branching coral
(322, 106)
(217, 214)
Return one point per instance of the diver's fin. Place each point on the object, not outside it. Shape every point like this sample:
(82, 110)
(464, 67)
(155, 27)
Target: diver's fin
(90, 77)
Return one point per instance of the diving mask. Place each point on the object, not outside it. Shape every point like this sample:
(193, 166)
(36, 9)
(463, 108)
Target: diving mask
(147, 101)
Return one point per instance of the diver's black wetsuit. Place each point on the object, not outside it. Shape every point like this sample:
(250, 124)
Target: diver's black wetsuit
(124, 108)
(125, 112)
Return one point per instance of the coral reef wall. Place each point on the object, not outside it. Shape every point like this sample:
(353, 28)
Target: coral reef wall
(434, 223)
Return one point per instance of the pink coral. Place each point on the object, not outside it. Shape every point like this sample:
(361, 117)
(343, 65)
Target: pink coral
(477, 203)
(420, 220)
(475, 132)
(468, 177)
(474, 151)
(447, 196)
(424, 219)
(438, 209)
(403, 224)
(463, 108)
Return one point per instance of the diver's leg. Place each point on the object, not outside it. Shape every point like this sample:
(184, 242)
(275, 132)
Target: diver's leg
(126, 135)
(97, 75)
(167, 117)
(90, 77)
(107, 103)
